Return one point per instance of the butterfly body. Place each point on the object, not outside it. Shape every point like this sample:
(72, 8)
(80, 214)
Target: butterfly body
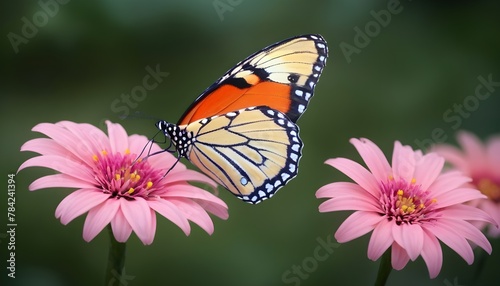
(241, 131)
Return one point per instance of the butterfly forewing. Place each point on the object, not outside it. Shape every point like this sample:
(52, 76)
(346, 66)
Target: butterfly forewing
(251, 152)
(281, 76)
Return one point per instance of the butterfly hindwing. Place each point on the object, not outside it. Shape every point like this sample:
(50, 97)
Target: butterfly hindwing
(281, 76)
(252, 152)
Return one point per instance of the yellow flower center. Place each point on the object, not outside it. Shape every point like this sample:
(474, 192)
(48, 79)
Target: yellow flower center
(409, 204)
(490, 189)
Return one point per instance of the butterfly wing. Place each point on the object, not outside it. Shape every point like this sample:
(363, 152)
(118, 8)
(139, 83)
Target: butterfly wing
(281, 76)
(251, 152)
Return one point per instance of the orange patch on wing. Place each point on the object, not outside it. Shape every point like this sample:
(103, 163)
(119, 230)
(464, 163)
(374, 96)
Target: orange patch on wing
(227, 98)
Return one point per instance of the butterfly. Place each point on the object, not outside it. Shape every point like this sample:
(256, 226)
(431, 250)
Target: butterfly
(241, 131)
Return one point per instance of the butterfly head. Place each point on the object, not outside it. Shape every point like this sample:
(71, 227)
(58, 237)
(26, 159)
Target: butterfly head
(180, 138)
(165, 127)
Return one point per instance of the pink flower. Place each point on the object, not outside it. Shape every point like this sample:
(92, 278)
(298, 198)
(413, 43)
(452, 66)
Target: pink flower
(111, 188)
(409, 206)
(481, 162)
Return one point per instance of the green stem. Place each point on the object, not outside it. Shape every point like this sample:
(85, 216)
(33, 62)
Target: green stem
(116, 261)
(384, 269)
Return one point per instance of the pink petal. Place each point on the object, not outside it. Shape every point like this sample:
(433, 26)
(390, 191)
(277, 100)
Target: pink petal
(189, 191)
(341, 189)
(432, 254)
(214, 208)
(470, 232)
(410, 237)
(357, 173)
(117, 137)
(90, 138)
(403, 162)
(138, 216)
(120, 226)
(46, 146)
(454, 156)
(447, 182)
(380, 240)
(137, 144)
(349, 203)
(493, 210)
(428, 169)
(152, 230)
(399, 257)
(170, 211)
(79, 202)
(63, 165)
(98, 217)
(493, 154)
(195, 213)
(357, 224)
(466, 212)
(65, 139)
(373, 157)
(188, 175)
(458, 196)
(474, 150)
(451, 238)
(59, 181)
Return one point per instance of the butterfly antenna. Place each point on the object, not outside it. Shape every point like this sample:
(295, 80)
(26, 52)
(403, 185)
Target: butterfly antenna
(170, 169)
(138, 115)
(150, 143)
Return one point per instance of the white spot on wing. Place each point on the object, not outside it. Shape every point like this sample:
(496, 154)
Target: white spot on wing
(301, 108)
(269, 188)
(285, 176)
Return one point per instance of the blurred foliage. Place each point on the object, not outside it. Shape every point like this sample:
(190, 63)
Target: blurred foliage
(403, 85)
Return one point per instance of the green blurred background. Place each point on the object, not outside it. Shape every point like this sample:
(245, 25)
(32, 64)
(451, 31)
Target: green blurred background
(403, 85)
